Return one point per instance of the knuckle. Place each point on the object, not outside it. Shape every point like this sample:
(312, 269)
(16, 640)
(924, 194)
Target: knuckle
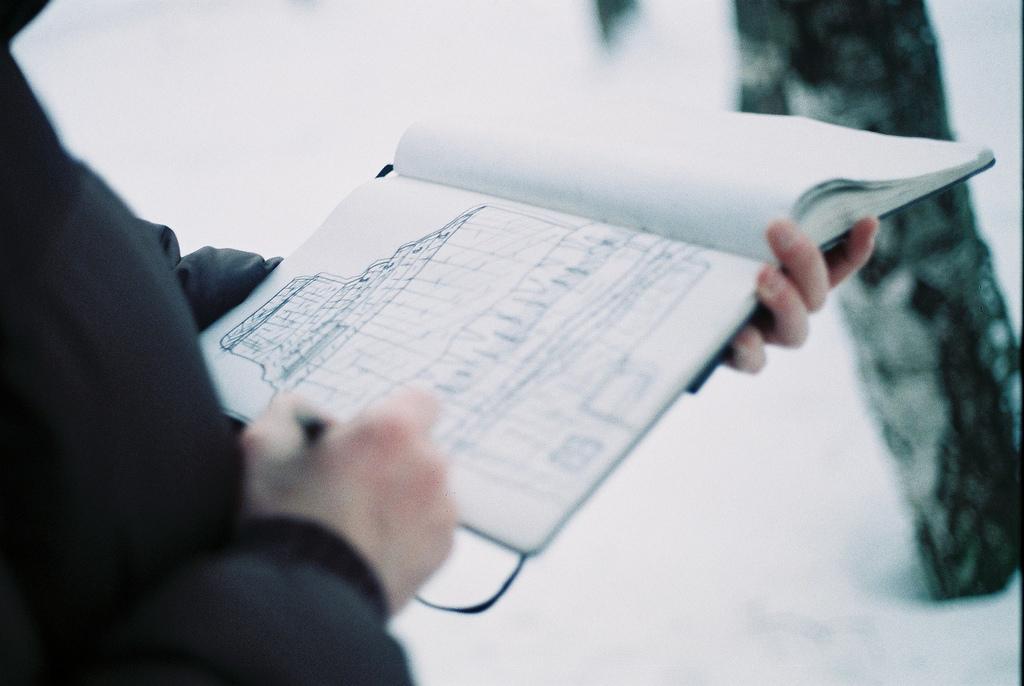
(802, 253)
(785, 299)
(390, 428)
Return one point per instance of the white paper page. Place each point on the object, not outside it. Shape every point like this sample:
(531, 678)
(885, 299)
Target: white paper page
(714, 179)
(553, 342)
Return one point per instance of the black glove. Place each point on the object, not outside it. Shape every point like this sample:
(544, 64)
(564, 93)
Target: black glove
(216, 279)
(213, 279)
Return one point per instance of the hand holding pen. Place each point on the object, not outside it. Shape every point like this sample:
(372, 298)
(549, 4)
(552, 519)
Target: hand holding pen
(379, 481)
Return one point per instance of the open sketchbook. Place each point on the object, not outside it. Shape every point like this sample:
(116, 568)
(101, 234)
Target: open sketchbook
(557, 293)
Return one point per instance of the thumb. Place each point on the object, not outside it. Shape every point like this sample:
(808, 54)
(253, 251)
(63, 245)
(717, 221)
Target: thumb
(278, 435)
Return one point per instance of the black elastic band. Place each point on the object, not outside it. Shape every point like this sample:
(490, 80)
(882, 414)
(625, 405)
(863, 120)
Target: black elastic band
(480, 607)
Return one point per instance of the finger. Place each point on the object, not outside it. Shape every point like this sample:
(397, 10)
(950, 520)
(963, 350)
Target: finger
(395, 428)
(312, 421)
(789, 325)
(853, 253)
(802, 262)
(414, 407)
(747, 351)
(292, 406)
(277, 435)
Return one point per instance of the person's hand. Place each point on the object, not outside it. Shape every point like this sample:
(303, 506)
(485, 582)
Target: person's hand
(379, 481)
(796, 288)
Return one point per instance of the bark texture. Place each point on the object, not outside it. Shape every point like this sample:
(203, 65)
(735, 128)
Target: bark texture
(937, 352)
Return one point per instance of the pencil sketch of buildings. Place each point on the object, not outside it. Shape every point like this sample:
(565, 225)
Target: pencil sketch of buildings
(524, 326)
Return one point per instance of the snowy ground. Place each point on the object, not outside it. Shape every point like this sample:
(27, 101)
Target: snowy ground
(757, 535)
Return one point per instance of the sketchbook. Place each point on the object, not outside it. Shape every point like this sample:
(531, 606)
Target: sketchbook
(557, 289)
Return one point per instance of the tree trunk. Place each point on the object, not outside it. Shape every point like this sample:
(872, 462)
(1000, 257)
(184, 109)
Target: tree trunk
(936, 350)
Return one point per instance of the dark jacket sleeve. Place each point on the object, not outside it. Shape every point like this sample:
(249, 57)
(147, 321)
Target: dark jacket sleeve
(270, 610)
(213, 279)
(121, 559)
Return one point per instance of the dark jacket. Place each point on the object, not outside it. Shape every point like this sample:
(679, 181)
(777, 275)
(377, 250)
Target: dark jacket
(124, 559)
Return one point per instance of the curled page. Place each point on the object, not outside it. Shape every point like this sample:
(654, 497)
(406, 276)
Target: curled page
(714, 179)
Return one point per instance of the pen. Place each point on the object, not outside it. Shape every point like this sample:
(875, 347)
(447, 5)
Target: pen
(312, 427)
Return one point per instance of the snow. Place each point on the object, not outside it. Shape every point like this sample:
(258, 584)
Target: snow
(757, 535)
